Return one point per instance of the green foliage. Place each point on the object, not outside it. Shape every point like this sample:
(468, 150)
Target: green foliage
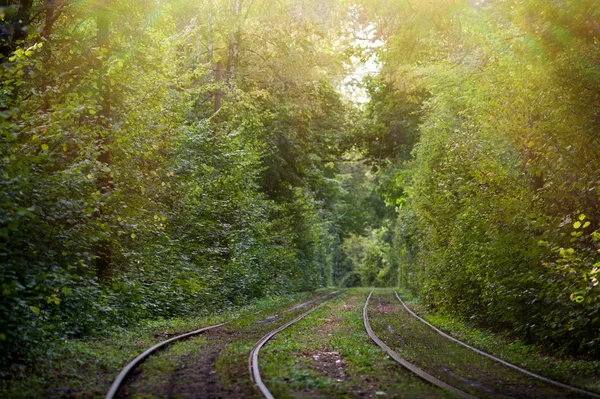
(389, 124)
(199, 211)
(489, 209)
(372, 258)
(471, 177)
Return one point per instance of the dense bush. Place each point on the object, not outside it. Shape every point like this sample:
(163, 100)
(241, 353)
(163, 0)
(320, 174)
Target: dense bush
(124, 194)
(498, 209)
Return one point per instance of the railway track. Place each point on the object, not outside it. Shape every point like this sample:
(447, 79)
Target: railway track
(503, 362)
(409, 366)
(138, 360)
(127, 370)
(253, 358)
(312, 305)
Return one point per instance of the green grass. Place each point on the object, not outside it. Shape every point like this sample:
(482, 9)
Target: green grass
(289, 371)
(158, 373)
(86, 367)
(155, 368)
(577, 372)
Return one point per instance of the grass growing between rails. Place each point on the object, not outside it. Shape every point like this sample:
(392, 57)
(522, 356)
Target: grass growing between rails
(85, 368)
(329, 355)
(581, 373)
(448, 361)
(189, 368)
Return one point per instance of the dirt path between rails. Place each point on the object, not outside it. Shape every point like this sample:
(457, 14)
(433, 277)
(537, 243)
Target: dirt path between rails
(328, 355)
(188, 369)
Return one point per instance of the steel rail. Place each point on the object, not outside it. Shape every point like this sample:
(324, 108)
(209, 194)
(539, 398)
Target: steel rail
(253, 358)
(116, 385)
(504, 362)
(409, 366)
(125, 372)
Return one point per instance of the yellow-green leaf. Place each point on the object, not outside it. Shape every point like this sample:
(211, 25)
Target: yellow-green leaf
(53, 299)
(577, 225)
(133, 235)
(45, 147)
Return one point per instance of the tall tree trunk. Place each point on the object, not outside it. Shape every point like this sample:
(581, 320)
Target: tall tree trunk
(218, 80)
(52, 8)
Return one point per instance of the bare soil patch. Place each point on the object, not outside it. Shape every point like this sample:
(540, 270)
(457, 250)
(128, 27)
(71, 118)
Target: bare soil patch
(194, 377)
(327, 362)
(385, 306)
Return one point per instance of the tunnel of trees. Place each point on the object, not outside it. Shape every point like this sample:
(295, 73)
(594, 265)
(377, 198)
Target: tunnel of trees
(161, 158)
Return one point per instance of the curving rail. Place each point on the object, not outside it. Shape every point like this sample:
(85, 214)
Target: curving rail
(409, 366)
(133, 364)
(505, 363)
(116, 385)
(253, 359)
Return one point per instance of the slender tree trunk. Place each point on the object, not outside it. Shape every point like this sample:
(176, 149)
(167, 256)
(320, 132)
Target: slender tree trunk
(218, 80)
(53, 10)
(52, 13)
